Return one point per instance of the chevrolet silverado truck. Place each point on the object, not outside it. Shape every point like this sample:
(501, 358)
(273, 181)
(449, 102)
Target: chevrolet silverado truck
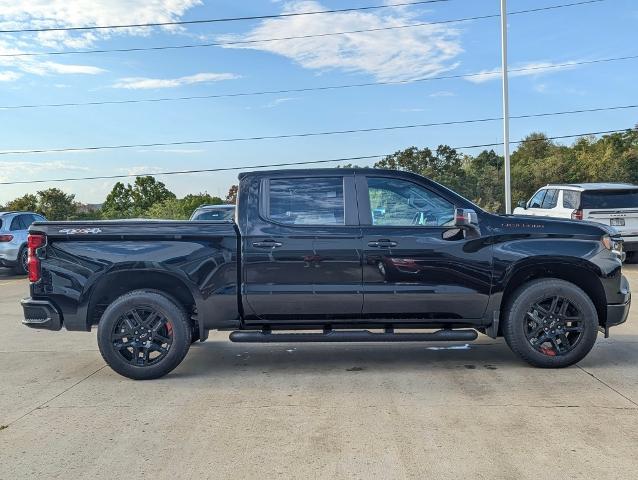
(329, 255)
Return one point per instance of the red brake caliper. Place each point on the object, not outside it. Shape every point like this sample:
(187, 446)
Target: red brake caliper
(548, 351)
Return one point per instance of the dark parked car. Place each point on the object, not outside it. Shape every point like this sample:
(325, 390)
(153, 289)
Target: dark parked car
(214, 212)
(331, 254)
(13, 239)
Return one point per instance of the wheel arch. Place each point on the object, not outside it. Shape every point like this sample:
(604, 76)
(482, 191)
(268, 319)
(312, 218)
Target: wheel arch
(578, 273)
(115, 284)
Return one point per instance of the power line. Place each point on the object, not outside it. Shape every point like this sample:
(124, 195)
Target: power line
(307, 134)
(229, 19)
(313, 89)
(299, 37)
(290, 164)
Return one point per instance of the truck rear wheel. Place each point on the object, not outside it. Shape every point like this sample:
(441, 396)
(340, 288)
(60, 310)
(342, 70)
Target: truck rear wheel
(144, 335)
(550, 323)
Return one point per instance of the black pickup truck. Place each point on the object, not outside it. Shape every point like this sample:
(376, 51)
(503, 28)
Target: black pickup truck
(329, 255)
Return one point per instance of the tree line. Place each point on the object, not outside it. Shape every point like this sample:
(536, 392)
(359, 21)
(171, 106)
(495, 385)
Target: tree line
(536, 162)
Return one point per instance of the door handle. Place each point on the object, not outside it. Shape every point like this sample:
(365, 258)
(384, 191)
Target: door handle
(267, 244)
(382, 244)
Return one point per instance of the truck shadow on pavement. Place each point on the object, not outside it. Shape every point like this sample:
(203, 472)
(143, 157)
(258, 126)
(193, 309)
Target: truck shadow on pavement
(219, 358)
(216, 357)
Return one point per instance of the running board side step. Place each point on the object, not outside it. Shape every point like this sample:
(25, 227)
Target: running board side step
(241, 336)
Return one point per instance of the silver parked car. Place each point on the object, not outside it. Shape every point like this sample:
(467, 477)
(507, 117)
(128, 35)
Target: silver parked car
(13, 239)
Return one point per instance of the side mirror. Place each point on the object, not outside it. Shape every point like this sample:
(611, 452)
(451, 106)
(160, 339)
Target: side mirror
(522, 204)
(465, 218)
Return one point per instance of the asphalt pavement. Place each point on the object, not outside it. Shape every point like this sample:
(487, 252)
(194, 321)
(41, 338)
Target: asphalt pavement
(319, 411)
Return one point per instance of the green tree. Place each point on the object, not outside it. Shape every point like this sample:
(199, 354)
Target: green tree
(54, 204)
(28, 202)
(118, 203)
(231, 197)
(181, 209)
(147, 191)
(128, 201)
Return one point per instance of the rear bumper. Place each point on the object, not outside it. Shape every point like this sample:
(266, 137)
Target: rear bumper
(8, 254)
(41, 314)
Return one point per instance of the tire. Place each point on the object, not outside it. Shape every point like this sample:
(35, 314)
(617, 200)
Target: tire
(22, 266)
(531, 309)
(138, 350)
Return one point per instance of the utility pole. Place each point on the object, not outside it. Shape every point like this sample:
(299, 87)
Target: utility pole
(506, 108)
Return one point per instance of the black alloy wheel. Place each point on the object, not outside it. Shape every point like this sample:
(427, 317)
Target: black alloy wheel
(142, 336)
(550, 323)
(554, 326)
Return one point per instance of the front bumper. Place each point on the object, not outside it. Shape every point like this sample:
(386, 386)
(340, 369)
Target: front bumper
(41, 314)
(617, 313)
(630, 243)
(7, 263)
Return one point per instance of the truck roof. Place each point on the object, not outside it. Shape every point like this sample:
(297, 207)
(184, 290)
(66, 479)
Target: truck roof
(311, 172)
(594, 186)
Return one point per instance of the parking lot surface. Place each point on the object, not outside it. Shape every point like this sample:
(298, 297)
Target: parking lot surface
(236, 411)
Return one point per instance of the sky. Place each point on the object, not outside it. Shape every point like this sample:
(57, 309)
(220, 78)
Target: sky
(581, 33)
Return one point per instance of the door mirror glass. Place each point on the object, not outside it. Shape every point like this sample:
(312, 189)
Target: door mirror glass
(465, 218)
(522, 204)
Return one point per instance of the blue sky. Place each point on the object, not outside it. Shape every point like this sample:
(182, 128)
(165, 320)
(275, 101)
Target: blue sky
(600, 30)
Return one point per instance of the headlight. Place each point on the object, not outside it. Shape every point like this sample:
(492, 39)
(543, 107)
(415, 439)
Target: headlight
(615, 245)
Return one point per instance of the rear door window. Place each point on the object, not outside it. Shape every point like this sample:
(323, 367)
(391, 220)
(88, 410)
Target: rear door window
(550, 199)
(537, 200)
(306, 201)
(18, 223)
(609, 199)
(571, 199)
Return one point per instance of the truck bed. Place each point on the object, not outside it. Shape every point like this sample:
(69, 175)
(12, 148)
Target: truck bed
(88, 264)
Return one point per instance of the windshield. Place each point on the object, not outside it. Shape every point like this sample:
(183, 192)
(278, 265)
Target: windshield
(216, 214)
(609, 199)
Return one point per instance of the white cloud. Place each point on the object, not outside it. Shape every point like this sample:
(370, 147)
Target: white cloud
(49, 68)
(65, 13)
(400, 54)
(442, 93)
(18, 170)
(521, 70)
(181, 151)
(540, 88)
(138, 83)
(141, 170)
(411, 110)
(278, 101)
(9, 76)
(17, 14)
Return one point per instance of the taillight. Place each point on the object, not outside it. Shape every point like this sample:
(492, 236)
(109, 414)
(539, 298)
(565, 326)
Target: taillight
(35, 241)
(577, 215)
(6, 238)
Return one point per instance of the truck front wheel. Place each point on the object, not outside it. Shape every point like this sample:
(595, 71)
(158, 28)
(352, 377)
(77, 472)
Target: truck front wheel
(550, 323)
(144, 335)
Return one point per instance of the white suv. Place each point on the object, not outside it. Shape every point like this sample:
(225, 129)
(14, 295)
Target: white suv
(614, 204)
